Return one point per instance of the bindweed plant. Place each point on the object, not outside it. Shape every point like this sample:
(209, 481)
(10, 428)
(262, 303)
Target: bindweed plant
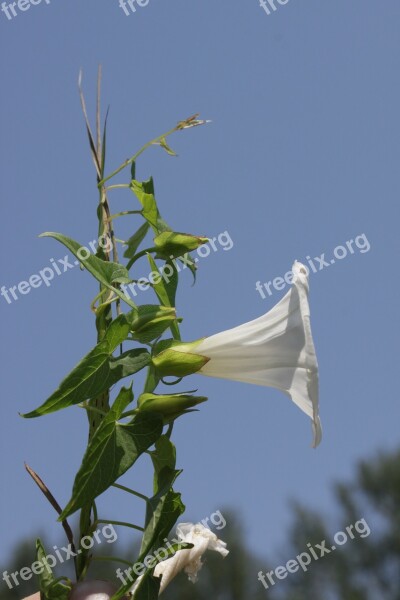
(275, 350)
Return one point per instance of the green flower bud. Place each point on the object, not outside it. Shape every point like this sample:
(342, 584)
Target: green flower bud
(179, 360)
(149, 321)
(170, 406)
(172, 244)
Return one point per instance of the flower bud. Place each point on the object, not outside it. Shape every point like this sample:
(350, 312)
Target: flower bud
(149, 321)
(172, 244)
(179, 360)
(170, 406)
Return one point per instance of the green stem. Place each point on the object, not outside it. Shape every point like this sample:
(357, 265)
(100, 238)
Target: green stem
(136, 156)
(92, 408)
(113, 559)
(121, 523)
(125, 212)
(140, 255)
(133, 492)
(129, 413)
(117, 185)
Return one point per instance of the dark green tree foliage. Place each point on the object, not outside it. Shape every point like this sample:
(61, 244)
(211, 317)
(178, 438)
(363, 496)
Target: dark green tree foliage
(365, 568)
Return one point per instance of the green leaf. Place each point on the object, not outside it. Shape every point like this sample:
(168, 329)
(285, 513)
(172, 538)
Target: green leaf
(148, 588)
(152, 379)
(144, 192)
(163, 143)
(113, 449)
(94, 373)
(134, 242)
(163, 510)
(164, 455)
(165, 288)
(50, 587)
(106, 272)
(128, 363)
(188, 261)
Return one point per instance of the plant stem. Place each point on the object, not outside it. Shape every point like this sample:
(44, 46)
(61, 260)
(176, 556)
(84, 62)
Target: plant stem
(125, 212)
(139, 255)
(133, 492)
(131, 160)
(45, 490)
(121, 523)
(113, 559)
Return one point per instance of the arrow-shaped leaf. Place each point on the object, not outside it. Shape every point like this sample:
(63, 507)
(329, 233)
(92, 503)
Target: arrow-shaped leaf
(106, 272)
(113, 449)
(97, 371)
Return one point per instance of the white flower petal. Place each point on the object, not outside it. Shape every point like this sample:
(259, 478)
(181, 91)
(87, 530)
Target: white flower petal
(275, 350)
(188, 560)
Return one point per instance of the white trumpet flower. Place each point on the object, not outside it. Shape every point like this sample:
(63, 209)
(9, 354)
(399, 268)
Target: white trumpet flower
(275, 350)
(188, 560)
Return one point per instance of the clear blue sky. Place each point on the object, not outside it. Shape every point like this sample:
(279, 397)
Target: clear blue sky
(301, 157)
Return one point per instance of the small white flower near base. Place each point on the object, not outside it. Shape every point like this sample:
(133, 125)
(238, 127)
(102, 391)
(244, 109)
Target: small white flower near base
(189, 560)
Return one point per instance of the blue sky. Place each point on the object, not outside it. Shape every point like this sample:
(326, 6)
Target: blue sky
(301, 157)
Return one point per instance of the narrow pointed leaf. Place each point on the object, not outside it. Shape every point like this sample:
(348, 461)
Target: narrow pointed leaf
(164, 455)
(163, 143)
(137, 238)
(148, 588)
(50, 587)
(165, 289)
(144, 192)
(106, 272)
(163, 509)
